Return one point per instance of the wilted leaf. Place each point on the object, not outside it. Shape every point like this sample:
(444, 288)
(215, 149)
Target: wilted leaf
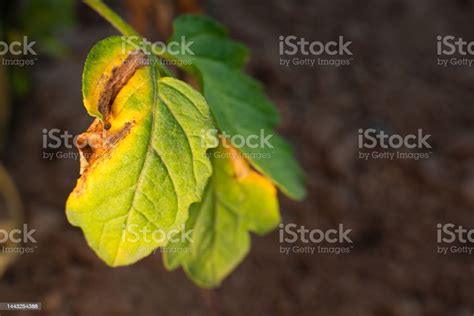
(145, 162)
(237, 201)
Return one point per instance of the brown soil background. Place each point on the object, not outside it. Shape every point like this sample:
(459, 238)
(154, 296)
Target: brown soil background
(392, 206)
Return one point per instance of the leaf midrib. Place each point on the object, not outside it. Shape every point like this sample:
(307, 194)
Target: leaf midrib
(154, 82)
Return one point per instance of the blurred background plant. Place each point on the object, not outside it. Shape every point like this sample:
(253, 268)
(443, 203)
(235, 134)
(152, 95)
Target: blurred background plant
(41, 22)
(11, 217)
(149, 17)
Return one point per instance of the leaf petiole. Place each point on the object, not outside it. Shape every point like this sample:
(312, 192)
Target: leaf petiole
(123, 27)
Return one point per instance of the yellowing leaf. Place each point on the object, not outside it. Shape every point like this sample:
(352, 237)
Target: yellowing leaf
(144, 157)
(237, 200)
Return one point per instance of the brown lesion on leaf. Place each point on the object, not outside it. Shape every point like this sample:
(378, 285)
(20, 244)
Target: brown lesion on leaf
(119, 77)
(97, 142)
(99, 139)
(88, 141)
(240, 165)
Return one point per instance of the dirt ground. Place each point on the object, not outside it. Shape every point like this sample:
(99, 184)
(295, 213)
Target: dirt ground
(392, 206)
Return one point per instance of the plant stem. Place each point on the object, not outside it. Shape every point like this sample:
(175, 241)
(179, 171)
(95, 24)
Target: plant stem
(112, 17)
(122, 26)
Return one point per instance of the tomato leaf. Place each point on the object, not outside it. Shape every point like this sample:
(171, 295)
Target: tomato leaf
(236, 100)
(237, 201)
(143, 159)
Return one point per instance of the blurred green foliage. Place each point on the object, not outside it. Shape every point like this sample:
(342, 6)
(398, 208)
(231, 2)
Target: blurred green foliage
(42, 21)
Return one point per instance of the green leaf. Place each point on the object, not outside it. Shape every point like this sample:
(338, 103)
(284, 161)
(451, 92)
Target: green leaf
(237, 200)
(237, 101)
(145, 162)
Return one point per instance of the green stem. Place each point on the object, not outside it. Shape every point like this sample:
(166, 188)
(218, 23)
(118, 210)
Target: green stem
(122, 26)
(112, 17)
